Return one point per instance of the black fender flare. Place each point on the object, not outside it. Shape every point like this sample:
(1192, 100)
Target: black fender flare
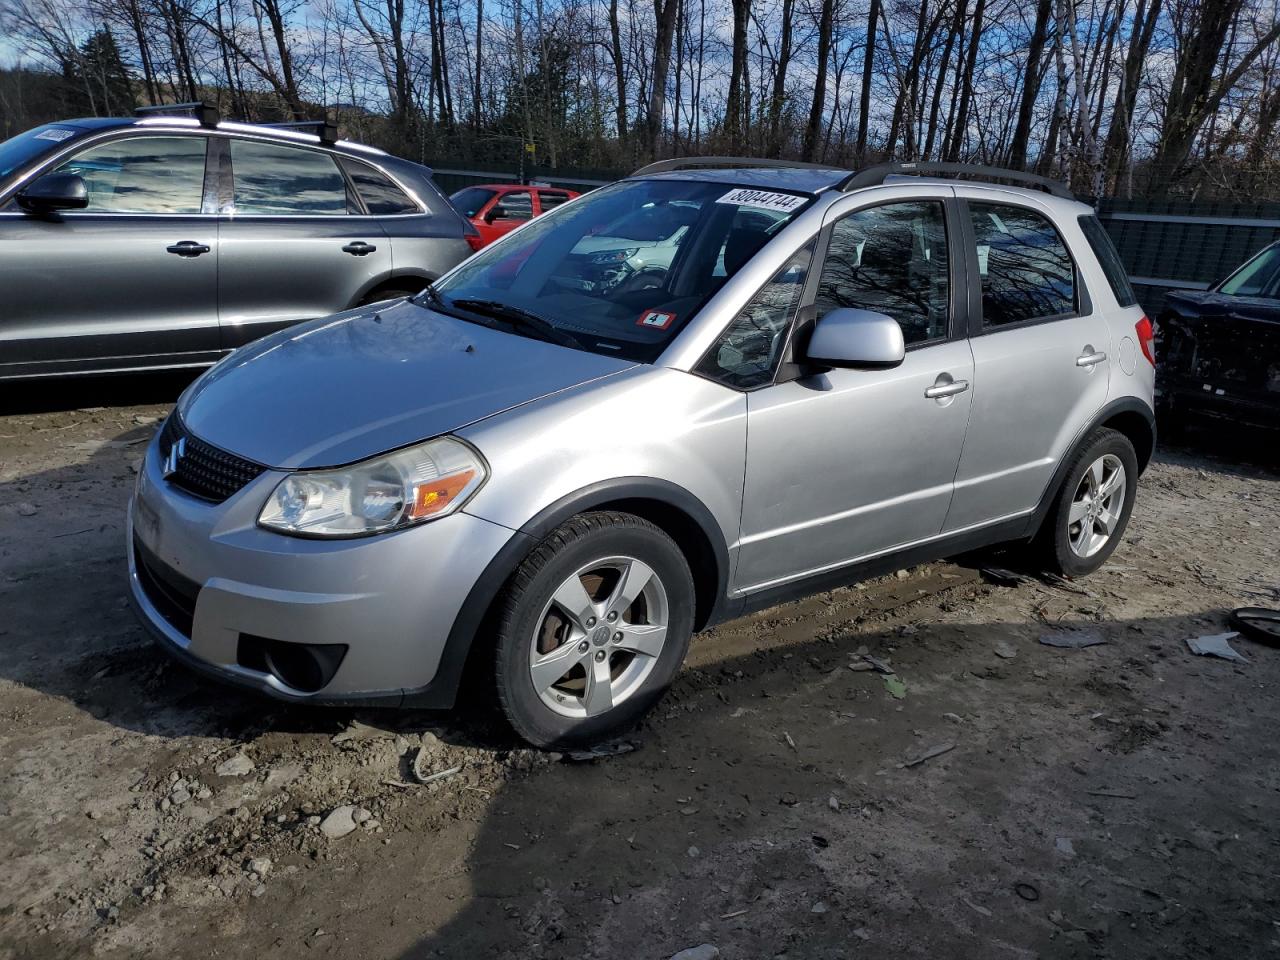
(441, 692)
(1115, 407)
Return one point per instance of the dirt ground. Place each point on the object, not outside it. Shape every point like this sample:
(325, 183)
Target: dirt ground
(1119, 800)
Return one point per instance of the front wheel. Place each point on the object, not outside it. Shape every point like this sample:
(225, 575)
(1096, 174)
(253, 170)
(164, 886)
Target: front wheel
(1093, 505)
(591, 629)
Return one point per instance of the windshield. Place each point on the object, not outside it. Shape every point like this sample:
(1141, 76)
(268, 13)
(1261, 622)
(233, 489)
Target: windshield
(622, 270)
(471, 200)
(17, 152)
(1260, 277)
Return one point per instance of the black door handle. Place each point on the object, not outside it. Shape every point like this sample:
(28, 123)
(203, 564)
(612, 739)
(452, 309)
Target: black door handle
(188, 248)
(358, 248)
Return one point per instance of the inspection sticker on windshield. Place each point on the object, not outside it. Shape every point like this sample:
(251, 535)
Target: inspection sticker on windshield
(55, 134)
(782, 202)
(656, 320)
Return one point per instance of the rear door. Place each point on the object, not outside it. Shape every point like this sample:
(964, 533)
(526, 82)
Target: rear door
(1042, 356)
(130, 280)
(295, 240)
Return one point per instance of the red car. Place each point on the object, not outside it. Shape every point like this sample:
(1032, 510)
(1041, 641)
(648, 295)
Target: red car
(495, 209)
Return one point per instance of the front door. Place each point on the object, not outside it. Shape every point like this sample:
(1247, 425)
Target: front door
(296, 243)
(507, 211)
(1042, 357)
(848, 464)
(129, 280)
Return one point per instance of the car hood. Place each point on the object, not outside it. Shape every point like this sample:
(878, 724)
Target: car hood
(1208, 304)
(334, 391)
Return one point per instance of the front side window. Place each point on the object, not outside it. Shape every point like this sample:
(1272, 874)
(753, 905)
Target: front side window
(1026, 271)
(517, 205)
(1260, 277)
(749, 350)
(272, 180)
(158, 175)
(623, 269)
(892, 259)
(381, 197)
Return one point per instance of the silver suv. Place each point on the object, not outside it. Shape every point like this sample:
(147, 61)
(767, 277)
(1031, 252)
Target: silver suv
(558, 483)
(169, 239)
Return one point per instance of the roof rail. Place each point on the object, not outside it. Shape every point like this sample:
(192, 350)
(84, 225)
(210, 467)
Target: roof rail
(680, 163)
(326, 131)
(205, 112)
(874, 176)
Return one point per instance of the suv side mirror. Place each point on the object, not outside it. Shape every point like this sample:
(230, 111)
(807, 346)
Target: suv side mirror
(54, 191)
(847, 337)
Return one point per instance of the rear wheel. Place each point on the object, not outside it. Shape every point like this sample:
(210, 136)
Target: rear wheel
(591, 629)
(1093, 505)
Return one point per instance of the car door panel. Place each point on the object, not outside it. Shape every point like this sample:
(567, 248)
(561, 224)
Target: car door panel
(113, 285)
(850, 463)
(1039, 381)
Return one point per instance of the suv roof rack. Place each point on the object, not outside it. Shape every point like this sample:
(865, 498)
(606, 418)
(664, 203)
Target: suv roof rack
(681, 163)
(205, 112)
(874, 176)
(326, 131)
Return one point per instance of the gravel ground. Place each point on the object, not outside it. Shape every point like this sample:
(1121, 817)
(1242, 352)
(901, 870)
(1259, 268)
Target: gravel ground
(992, 797)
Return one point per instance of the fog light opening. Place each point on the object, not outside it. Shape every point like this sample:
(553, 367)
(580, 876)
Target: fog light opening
(305, 667)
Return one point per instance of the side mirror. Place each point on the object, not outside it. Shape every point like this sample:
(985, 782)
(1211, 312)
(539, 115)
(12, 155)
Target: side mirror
(847, 337)
(495, 213)
(54, 191)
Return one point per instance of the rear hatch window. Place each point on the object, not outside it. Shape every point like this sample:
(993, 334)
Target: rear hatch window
(1109, 260)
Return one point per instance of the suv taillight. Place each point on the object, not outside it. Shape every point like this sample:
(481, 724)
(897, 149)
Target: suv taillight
(1146, 339)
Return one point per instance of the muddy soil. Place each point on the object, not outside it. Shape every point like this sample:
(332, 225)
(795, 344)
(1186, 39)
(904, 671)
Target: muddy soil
(992, 797)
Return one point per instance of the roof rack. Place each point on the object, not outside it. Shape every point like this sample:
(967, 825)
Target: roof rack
(680, 163)
(206, 113)
(874, 176)
(326, 131)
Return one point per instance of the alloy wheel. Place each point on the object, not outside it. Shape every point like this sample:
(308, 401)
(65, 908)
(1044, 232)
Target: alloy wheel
(599, 636)
(1096, 506)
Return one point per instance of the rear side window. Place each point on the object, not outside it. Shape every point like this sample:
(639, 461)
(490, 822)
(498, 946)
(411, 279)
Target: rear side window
(1109, 260)
(1026, 271)
(142, 175)
(271, 180)
(891, 259)
(551, 199)
(382, 197)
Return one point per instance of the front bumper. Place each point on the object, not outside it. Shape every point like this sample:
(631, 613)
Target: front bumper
(204, 577)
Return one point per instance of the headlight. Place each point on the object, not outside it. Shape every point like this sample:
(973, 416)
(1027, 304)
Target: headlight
(614, 256)
(398, 490)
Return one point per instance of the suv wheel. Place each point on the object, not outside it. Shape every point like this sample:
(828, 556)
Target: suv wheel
(1092, 509)
(591, 629)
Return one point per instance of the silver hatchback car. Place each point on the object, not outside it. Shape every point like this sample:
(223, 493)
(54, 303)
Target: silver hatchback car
(552, 473)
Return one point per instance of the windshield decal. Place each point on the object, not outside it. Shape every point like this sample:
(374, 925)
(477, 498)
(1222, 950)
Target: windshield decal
(782, 202)
(56, 135)
(656, 319)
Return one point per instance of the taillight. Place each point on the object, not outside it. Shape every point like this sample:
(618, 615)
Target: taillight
(476, 241)
(1146, 339)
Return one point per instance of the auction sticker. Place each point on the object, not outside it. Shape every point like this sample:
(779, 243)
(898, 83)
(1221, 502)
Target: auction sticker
(55, 134)
(782, 202)
(656, 319)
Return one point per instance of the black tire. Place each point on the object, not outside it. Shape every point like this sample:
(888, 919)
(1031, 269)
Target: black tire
(580, 541)
(1054, 539)
(391, 293)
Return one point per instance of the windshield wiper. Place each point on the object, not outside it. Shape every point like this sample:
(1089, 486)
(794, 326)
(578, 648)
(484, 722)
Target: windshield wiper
(521, 319)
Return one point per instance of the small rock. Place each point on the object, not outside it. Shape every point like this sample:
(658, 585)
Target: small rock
(819, 907)
(693, 852)
(1065, 847)
(259, 890)
(360, 815)
(237, 766)
(180, 796)
(165, 804)
(1004, 651)
(204, 793)
(339, 822)
(260, 865)
(704, 951)
(834, 804)
(26, 510)
(902, 574)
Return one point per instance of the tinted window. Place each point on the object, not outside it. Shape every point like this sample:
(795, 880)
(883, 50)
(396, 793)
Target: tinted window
(586, 271)
(382, 197)
(142, 175)
(750, 348)
(1260, 277)
(271, 180)
(1109, 260)
(550, 199)
(1026, 271)
(517, 205)
(471, 200)
(891, 259)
